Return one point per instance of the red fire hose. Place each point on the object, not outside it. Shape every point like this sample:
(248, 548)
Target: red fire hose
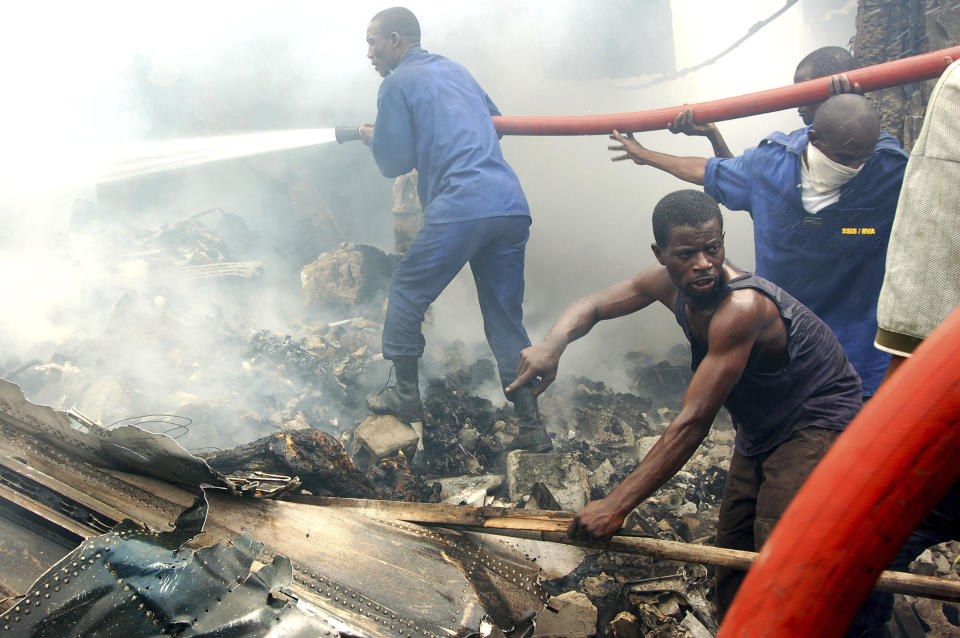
(895, 461)
(871, 78)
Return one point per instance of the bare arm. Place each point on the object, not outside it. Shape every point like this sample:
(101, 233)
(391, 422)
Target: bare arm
(685, 124)
(895, 362)
(543, 359)
(733, 332)
(689, 169)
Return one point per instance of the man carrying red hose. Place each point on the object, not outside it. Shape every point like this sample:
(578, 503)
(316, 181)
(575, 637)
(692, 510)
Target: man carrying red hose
(821, 220)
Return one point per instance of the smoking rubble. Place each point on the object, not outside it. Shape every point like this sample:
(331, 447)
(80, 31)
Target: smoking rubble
(293, 400)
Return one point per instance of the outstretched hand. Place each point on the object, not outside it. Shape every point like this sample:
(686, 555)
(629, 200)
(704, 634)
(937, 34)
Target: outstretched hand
(841, 84)
(684, 124)
(631, 148)
(540, 360)
(598, 521)
(366, 133)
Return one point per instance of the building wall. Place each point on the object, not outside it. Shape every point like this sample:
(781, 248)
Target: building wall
(901, 28)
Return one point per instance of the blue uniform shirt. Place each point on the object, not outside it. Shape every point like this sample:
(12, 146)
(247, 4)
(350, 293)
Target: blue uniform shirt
(433, 116)
(832, 262)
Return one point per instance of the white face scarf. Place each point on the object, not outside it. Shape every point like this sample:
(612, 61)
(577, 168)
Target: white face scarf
(821, 179)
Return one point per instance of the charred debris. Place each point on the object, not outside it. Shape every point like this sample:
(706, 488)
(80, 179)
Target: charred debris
(82, 491)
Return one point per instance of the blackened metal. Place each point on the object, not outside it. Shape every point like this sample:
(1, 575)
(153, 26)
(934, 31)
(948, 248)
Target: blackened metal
(125, 448)
(56, 501)
(131, 582)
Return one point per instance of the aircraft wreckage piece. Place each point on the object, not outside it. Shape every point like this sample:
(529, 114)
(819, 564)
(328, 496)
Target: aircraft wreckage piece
(127, 447)
(375, 577)
(551, 526)
(135, 582)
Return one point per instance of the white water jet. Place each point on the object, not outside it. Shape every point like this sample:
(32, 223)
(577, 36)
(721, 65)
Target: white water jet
(132, 160)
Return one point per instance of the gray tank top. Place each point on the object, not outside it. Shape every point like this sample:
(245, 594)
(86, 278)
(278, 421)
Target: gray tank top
(817, 387)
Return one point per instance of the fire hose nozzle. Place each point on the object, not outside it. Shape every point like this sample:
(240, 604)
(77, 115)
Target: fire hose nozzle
(346, 133)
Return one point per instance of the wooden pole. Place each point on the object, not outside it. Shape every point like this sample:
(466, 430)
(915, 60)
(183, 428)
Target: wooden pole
(551, 526)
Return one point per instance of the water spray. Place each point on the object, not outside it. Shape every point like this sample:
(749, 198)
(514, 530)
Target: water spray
(150, 157)
(134, 160)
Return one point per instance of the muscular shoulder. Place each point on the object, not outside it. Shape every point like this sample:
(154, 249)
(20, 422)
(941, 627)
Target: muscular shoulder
(655, 282)
(743, 312)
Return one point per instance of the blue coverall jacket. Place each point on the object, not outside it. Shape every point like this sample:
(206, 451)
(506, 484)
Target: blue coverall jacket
(433, 116)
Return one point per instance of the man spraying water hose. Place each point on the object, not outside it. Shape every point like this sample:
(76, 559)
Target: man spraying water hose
(433, 116)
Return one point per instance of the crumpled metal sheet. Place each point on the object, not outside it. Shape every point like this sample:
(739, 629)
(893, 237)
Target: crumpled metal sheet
(690, 582)
(399, 579)
(133, 582)
(370, 577)
(125, 448)
(263, 485)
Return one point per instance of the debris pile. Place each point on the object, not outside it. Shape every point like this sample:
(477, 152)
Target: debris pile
(294, 396)
(352, 278)
(158, 336)
(914, 616)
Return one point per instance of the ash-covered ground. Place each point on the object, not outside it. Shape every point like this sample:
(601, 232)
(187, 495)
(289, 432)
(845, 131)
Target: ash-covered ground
(175, 342)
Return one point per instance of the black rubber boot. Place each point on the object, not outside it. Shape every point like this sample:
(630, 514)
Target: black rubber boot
(533, 436)
(402, 400)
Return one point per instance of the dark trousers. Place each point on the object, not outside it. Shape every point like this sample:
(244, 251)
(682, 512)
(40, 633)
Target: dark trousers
(759, 488)
(494, 247)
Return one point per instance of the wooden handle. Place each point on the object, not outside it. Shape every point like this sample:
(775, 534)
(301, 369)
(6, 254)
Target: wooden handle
(552, 526)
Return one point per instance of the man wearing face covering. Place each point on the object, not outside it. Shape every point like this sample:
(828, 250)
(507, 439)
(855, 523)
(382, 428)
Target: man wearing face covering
(822, 200)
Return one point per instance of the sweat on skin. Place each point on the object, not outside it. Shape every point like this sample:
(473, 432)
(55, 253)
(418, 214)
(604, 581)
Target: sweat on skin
(776, 366)
(741, 326)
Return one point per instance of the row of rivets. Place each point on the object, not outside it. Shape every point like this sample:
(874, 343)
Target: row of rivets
(46, 586)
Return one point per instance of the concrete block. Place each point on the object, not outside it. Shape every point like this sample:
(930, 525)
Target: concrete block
(471, 490)
(601, 476)
(575, 617)
(562, 473)
(383, 435)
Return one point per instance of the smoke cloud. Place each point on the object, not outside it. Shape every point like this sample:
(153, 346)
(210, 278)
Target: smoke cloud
(79, 260)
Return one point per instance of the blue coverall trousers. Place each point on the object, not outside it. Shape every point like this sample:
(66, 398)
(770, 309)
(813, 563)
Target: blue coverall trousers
(494, 248)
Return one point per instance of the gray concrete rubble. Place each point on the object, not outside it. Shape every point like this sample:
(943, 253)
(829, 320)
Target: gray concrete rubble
(280, 411)
(914, 616)
(468, 490)
(353, 277)
(383, 435)
(563, 474)
(569, 615)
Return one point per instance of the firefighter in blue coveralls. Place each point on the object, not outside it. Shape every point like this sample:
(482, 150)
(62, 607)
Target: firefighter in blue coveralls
(822, 199)
(433, 116)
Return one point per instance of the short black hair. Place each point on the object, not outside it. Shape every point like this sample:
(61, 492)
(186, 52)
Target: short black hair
(686, 207)
(848, 120)
(400, 20)
(827, 61)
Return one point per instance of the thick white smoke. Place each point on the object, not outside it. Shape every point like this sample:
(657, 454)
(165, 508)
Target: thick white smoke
(83, 75)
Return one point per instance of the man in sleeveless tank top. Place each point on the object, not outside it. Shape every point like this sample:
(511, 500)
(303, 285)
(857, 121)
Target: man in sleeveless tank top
(756, 350)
